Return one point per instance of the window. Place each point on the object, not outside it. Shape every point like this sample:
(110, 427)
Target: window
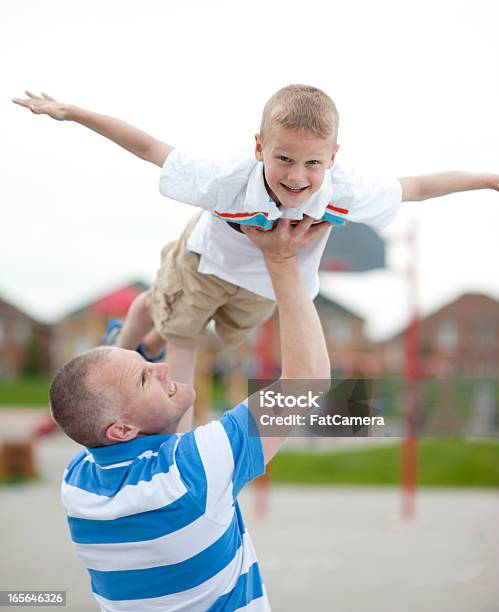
(487, 330)
(339, 331)
(448, 335)
(22, 332)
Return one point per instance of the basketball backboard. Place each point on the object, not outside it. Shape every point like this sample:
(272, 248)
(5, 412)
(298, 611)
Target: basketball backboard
(353, 247)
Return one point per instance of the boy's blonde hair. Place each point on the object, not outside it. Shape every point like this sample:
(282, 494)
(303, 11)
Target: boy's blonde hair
(301, 107)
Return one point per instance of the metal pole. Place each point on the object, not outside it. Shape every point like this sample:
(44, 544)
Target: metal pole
(412, 373)
(265, 370)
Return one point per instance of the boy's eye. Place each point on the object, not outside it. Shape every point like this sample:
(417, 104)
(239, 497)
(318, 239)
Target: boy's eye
(284, 158)
(313, 162)
(143, 378)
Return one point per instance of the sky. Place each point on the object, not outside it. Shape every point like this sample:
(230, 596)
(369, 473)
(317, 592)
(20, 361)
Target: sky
(416, 84)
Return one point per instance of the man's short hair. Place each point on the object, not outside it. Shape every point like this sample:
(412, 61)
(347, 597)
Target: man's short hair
(81, 412)
(301, 107)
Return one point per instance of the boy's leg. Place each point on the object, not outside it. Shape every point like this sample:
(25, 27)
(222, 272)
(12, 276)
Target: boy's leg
(137, 324)
(244, 312)
(153, 343)
(181, 367)
(183, 302)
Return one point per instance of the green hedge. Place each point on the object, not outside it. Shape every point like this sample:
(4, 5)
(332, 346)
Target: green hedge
(25, 392)
(462, 463)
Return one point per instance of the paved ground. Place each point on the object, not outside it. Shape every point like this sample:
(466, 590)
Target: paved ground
(321, 549)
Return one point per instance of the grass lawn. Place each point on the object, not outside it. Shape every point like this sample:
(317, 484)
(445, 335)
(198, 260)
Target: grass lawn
(25, 392)
(441, 463)
(14, 481)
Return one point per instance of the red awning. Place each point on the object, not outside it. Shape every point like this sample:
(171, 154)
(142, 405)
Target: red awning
(116, 303)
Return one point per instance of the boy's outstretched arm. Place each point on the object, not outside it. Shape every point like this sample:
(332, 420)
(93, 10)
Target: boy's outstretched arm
(425, 186)
(130, 138)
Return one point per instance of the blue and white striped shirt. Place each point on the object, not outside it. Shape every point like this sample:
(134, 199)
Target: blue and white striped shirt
(157, 524)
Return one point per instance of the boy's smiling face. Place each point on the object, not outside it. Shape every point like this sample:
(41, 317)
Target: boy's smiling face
(295, 162)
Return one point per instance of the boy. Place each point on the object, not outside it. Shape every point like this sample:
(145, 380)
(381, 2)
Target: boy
(213, 271)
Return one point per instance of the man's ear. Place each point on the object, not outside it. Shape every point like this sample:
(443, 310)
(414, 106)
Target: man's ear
(121, 432)
(331, 161)
(258, 148)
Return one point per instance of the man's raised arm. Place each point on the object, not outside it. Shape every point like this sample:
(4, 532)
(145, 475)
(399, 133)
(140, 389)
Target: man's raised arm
(130, 138)
(304, 353)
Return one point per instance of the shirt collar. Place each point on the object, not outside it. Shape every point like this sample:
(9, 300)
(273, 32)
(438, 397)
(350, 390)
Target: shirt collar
(121, 451)
(258, 200)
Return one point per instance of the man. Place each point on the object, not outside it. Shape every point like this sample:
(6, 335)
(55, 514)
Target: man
(154, 514)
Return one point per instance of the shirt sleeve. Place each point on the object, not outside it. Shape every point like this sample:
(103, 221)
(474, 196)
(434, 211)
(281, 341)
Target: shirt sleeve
(216, 460)
(374, 201)
(207, 183)
(189, 180)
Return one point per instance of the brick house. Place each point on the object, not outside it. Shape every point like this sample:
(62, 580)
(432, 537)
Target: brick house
(24, 343)
(349, 349)
(82, 329)
(461, 339)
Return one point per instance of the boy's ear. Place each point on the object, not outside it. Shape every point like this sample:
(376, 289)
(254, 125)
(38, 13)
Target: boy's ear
(331, 161)
(258, 148)
(121, 432)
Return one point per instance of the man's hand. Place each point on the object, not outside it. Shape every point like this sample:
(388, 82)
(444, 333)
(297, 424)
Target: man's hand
(285, 240)
(43, 105)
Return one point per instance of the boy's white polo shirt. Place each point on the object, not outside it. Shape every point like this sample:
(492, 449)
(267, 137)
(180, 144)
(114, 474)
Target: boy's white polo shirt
(234, 190)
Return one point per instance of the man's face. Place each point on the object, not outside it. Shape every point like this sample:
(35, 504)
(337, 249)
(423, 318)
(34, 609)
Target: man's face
(151, 402)
(295, 162)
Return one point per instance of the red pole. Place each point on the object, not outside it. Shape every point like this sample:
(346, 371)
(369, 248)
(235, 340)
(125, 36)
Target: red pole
(265, 370)
(412, 372)
(265, 350)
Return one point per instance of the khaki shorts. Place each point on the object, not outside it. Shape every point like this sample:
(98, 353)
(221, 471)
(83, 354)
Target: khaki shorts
(184, 300)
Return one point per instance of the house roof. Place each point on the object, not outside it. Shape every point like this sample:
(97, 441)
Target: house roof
(382, 298)
(115, 302)
(472, 301)
(9, 311)
(323, 301)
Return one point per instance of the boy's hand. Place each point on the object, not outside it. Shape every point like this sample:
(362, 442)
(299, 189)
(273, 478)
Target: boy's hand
(285, 240)
(43, 105)
(494, 182)
(130, 138)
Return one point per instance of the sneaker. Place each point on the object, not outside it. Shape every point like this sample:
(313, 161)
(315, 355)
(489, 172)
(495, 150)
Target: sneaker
(159, 357)
(113, 330)
(111, 334)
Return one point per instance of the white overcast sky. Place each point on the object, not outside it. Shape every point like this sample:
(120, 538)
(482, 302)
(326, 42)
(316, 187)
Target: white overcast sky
(416, 83)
